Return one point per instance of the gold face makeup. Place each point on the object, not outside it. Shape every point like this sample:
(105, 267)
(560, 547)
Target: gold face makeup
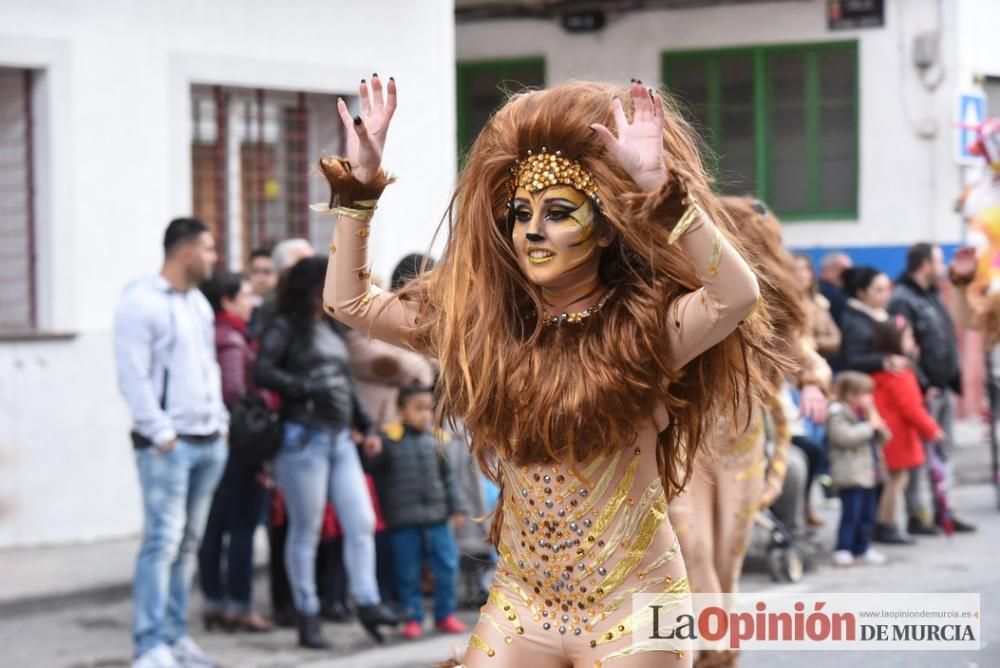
(553, 235)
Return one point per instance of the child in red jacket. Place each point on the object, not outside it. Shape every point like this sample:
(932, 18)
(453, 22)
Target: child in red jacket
(901, 404)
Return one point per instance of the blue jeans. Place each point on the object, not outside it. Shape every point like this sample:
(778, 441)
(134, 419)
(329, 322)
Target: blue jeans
(177, 489)
(312, 466)
(857, 508)
(236, 511)
(411, 546)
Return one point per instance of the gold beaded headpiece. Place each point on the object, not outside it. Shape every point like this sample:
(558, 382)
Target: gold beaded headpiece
(543, 170)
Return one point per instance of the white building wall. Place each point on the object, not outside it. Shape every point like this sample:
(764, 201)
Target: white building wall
(115, 166)
(907, 183)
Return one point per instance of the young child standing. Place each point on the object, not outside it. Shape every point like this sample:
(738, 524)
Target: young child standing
(421, 495)
(900, 402)
(855, 432)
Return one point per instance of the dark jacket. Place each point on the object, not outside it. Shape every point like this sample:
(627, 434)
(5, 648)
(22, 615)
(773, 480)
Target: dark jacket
(837, 299)
(935, 333)
(236, 356)
(417, 482)
(857, 330)
(309, 367)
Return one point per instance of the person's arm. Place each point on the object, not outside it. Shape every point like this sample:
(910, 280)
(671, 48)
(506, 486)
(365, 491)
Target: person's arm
(826, 333)
(729, 292)
(232, 365)
(134, 338)
(356, 185)
(456, 501)
(909, 400)
(360, 419)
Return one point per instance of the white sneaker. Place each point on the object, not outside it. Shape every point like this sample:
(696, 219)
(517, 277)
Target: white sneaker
(843, 558)
(873, 557)
(189, 655)
(158, 657)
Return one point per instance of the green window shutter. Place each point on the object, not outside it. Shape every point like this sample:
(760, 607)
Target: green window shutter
(781, 122)
(484, 86)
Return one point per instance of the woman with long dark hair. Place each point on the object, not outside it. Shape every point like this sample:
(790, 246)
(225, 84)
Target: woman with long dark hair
(868, 292)
(305, 360)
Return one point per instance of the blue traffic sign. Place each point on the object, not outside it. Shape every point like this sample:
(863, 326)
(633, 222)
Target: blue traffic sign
(971, 113)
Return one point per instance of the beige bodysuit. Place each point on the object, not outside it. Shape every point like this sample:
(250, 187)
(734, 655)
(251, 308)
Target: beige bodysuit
(573, 550)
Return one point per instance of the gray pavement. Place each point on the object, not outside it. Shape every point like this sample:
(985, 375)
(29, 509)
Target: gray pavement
(47, 622)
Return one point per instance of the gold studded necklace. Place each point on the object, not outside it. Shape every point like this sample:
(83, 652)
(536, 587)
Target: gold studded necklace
(577, 317)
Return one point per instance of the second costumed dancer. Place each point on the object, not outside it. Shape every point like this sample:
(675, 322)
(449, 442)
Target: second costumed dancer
(592, 324)
(733, 477)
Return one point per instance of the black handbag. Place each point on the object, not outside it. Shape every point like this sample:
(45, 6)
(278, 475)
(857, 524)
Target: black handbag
(254, 429)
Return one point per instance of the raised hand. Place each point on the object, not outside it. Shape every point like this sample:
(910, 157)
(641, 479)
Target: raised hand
(366, 133)
(638, 148)
(963, 267)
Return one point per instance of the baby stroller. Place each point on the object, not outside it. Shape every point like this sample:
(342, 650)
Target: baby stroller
(786, 561)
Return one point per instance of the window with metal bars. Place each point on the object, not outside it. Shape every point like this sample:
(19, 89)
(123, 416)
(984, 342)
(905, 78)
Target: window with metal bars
(782, 122)
(252, 153)
(18, 282)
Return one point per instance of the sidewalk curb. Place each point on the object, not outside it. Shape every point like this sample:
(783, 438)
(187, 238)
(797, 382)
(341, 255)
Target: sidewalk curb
(34, 604)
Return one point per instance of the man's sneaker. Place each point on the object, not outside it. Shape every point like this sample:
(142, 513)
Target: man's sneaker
(843, 558)
(451, 624)
(158, 657)
(189, 655)
(412, 629)
(873, 557)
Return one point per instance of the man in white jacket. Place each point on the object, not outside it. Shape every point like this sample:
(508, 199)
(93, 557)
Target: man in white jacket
(169, 376)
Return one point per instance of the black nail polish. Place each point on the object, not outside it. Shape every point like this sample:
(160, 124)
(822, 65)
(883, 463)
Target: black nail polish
(632, 80)
(357, 120)
(392, 78)
(639, 81)
(363, 81)
(374, 75)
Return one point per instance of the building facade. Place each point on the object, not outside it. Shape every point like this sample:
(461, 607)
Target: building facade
(117, 116)
(849, 134)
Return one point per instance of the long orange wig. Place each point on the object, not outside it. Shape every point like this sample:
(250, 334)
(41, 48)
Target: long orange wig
(532, 394)
(753, 224)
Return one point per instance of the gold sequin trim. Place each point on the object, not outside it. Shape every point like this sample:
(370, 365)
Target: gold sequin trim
(363, 232)
(333, 248)
(330, 311)
(664, 558)
(488, 618)
(691, 214)
(640, 543)
(498, 599)
(475, 642)
(636, 649)
(754, 471)
(713, 263)
(746, 442)
(364, 274)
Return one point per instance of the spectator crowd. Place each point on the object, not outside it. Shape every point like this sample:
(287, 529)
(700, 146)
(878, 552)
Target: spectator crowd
(368, 506)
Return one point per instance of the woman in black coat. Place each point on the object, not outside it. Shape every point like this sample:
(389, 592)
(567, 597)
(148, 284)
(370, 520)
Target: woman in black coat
(868, 291)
